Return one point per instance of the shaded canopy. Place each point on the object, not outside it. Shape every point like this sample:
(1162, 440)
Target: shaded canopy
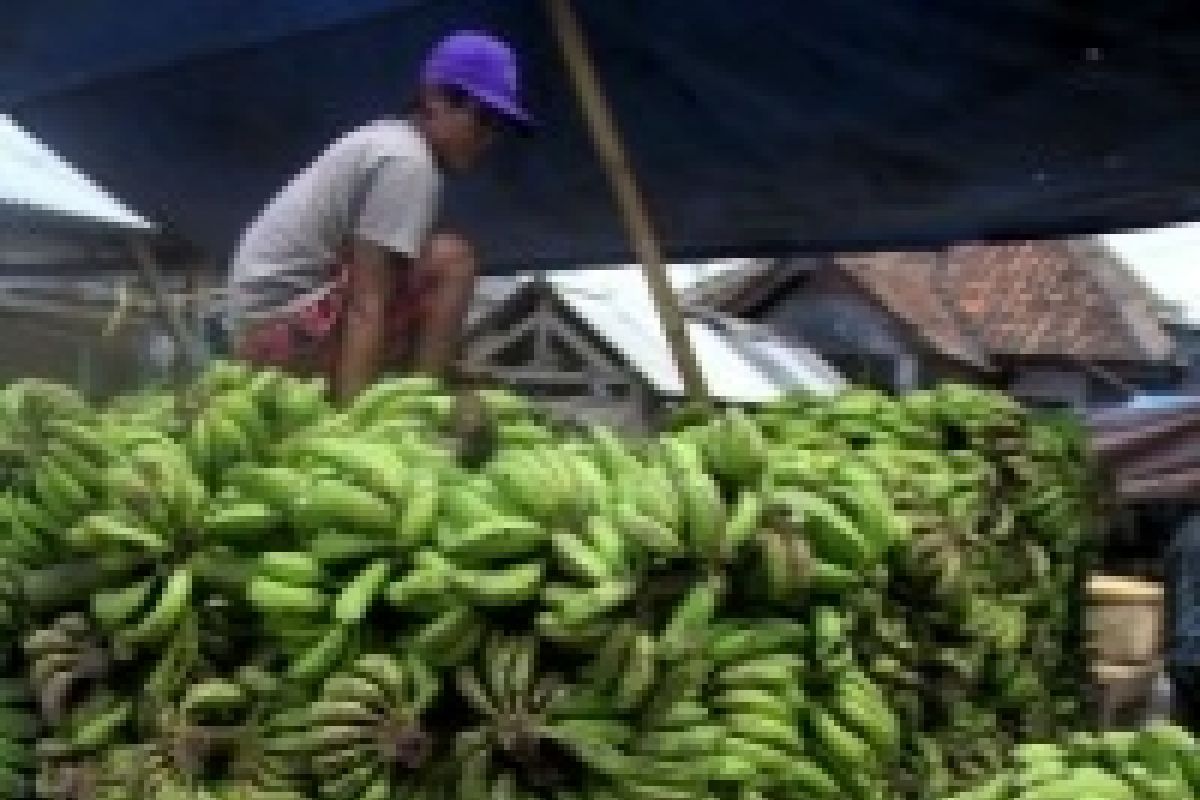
(758, 127)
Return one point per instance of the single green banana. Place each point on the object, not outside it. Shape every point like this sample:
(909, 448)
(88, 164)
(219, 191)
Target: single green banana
(273, 597)
(353, 602)
(172, 604)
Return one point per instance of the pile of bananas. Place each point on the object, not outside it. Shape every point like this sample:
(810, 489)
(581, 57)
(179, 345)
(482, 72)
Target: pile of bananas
(972, 623)
(1161, 762)
(240, 593)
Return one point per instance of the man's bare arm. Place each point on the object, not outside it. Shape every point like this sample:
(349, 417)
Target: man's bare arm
(363, 346)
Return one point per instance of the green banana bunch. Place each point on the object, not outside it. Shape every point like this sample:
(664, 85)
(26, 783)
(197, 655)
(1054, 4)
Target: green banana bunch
(229, 430)
(409, 396)
(168, 764)
(650, 491)
(18, 729)
(310, 626)
(532, 721)
(298, 404)
(331, 502)
(370, 465)
(536, 484)
(62, 658)
(259, 388)
(735, 450)
(582, 614)
(276, 487)
(688, 623)
(365, 734)
(596, 553)
(30, 413)
(422, 589)
(832, 535)
(701, 502)
(66, 481)
(1160, 762)
(756, 699)
(166, 471)
(28, 535)
(612, 454)
(720, 612)
(498, 588)
(287, 583)
(626, 669)
(489, 541)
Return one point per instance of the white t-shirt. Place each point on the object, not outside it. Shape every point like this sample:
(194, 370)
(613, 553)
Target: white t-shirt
(379, 183)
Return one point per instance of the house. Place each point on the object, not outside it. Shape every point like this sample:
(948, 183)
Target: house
(64, 258)
(1055, 323)
(589, 344)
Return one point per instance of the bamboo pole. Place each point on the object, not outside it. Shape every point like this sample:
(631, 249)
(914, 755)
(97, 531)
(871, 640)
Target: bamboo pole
(607, 141)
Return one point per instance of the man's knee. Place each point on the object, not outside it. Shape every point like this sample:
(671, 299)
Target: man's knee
(450, 256)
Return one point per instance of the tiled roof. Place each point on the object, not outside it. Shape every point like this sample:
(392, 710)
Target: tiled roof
(975, 303)
(916, 290)
(1050, 299)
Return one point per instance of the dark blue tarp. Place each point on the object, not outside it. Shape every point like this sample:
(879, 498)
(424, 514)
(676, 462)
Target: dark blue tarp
(764, 126)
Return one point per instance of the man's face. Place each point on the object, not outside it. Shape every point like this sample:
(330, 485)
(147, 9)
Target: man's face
(460, 132)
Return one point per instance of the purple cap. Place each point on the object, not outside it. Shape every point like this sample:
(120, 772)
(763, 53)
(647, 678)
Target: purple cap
(482, 66)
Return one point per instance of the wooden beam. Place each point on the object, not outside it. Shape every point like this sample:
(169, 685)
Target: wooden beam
(607, 140)
(537, 375)
(555, 324)
(490, 345)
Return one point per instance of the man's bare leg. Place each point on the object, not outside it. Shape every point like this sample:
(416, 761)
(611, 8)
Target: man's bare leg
(363, 329)
(448, 272)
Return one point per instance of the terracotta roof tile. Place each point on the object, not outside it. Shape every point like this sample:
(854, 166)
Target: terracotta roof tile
(1023, 299)
(908, 285)
(1039, 299)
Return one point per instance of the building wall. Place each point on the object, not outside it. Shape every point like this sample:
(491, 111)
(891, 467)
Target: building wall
(66, 351)
(1049, 383)
(559, 364)
(863, 342)
(1187, 338)
(1050, 386)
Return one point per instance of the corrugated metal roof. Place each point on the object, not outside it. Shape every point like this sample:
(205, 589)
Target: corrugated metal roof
(34, 179)
(742, 363)
(490, 293)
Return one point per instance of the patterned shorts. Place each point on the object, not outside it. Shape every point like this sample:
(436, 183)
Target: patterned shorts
(308, 337)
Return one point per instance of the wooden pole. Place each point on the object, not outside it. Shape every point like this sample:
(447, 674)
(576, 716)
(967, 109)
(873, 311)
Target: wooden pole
(607, 141)
(177, 326)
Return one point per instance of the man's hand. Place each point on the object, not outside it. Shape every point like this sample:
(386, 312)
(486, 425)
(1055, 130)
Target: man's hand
(369, 289)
